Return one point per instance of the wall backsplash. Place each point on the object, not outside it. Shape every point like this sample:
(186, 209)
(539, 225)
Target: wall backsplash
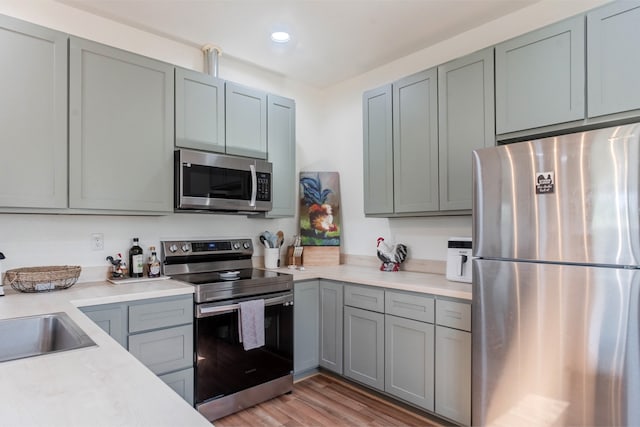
(31, 239)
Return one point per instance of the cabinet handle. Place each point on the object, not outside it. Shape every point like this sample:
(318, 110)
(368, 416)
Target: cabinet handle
(454, 314)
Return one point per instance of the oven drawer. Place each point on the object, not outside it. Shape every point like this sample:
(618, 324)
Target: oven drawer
(164, 350)
(160, 314)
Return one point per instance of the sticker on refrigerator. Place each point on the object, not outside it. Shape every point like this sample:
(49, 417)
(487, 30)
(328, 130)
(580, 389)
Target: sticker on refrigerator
(545, 182)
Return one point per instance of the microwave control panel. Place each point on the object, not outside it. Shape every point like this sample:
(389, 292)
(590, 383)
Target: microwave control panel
(264, 187)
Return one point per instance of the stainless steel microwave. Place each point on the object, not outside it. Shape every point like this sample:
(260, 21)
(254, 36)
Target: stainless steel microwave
(217, 182)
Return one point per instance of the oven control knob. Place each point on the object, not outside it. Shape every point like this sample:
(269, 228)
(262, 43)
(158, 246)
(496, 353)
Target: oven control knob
(173, 248)
(185, 247)
(246, 245)
(236, 245)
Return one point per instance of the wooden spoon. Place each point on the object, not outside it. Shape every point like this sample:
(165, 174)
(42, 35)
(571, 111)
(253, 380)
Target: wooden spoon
(280, 235)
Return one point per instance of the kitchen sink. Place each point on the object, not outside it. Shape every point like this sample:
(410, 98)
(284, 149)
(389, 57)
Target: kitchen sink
(22, 337)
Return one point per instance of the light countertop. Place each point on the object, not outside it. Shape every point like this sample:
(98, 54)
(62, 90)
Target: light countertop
(102, 385)
(435, 284)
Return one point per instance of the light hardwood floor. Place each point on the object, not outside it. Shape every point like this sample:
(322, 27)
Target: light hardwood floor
(324, 401)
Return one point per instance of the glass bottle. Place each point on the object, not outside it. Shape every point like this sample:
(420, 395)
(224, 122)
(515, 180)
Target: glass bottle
(136, 260)
(154, 263)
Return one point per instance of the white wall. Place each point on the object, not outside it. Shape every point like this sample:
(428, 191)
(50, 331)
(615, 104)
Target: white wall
(329, 137)
(425, 237)
(32, 239)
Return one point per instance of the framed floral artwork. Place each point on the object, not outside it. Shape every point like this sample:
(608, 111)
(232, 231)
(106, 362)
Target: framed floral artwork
(320, 208)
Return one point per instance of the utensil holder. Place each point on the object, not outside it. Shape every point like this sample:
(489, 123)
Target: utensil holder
(271, 257)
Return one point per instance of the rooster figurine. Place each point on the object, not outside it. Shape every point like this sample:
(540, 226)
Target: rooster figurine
(391, 256)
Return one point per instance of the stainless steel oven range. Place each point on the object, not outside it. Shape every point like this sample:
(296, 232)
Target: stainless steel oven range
(228, 378)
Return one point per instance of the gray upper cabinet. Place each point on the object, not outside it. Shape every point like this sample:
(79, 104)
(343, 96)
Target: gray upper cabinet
(613, 81)
(540, 77)
(246, 121)
(120, 130)
(199, 107)
(378, 150)
(415, 143)
(465, 122)
(281, 144)
(33, 116)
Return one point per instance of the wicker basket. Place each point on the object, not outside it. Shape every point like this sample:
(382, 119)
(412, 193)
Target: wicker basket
(42, 279)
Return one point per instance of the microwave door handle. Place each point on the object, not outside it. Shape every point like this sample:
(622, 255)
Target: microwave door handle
(254, 185)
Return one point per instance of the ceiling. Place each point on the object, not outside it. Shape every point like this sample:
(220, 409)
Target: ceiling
(331, 40)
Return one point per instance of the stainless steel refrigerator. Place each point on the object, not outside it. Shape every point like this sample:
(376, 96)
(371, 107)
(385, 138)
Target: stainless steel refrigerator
(556, 285)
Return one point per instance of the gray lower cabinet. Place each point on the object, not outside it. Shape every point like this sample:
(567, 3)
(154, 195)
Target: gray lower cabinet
(409, 360)
(33, 116)
(364, 346)
(182, 382)
(466, 121)
(281, 148)
(613, 81)
(246, 121)
(121, 130)
(415, 143)
(331, 325)
(158, 332)
(112, 318)
(453, 360)
(199, 105)
(540, 77)
(306, 326)
(164, 350)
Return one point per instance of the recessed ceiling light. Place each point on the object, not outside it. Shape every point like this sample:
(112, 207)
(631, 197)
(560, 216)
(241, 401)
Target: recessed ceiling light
(280, 36)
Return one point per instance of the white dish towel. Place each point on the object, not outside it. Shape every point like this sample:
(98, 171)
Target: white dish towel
(251, 320)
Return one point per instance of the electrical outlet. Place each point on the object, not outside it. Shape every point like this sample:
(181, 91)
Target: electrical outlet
(97, 242)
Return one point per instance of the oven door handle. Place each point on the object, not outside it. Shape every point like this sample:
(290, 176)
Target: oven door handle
(206, 311)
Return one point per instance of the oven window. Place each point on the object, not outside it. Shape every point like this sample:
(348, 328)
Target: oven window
(223, 367)
(213, 182)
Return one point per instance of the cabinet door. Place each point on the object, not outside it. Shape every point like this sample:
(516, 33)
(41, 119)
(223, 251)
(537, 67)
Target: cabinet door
(306, 326)
(181, 382)
(331, 304)
(164, 350)
(281, 147)
(613, 37)
(364, 346)
(415, 143)
(540, 77)
(453, 374)
(465, 122)
(33, 116)
(111, 318)
(409, 359)
(199, 107)
(120, 130)
(378, 150)
(246, 121)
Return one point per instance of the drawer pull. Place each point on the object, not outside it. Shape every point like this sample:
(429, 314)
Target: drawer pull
(408, 306)
(364, 297)
(453, 314)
